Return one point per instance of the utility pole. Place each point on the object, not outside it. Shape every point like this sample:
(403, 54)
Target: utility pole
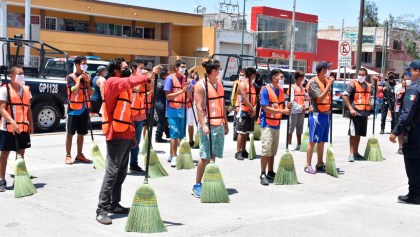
(292, 41)
(384, 49)
(27, 54)
(243, 29)
(3, 27)
(360, 37)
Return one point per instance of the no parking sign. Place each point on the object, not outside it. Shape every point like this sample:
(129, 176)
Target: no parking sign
(344, 53)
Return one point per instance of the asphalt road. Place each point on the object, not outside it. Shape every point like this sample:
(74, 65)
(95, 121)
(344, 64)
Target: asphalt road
(361, 202)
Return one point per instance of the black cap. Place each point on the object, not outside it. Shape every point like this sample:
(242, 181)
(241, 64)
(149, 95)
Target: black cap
(322, 65)
(414, 64)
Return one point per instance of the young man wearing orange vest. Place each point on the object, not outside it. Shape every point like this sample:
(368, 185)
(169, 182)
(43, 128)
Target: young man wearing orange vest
(218, 119)
(297, 97)
(247, 111)
(21, 125)
(319, 119)
(119, 131)
(234, 102)
(78, 92)
(272, 108)
(357, 99)
(175, 87)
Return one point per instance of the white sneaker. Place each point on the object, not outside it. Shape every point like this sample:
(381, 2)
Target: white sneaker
(170, 158)
(297, 148)
(173, 161)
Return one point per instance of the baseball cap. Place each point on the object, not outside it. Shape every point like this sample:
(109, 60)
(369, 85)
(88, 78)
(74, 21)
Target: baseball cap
(100, 69)
(322, 65)
(414, 64)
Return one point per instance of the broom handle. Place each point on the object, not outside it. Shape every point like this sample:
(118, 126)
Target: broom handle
(185, 113)
(208, 114)
(11, 109)
(290, 114)
(86, 104)
(150, 126)
(195, 117)
(331, 110)
(375, 83)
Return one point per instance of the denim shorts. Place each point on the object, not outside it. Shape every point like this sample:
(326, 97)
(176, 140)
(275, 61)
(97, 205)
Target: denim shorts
(176, 127)
(217, 142)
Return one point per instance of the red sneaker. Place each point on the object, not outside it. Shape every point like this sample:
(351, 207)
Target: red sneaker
(83, 159)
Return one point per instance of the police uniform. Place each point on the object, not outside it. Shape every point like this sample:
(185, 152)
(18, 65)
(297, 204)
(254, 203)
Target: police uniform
(408, 124)
(388, 103)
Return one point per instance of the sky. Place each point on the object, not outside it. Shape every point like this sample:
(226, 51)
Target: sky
(330, 12)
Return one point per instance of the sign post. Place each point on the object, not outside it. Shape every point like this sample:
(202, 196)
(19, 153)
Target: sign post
(344, 59)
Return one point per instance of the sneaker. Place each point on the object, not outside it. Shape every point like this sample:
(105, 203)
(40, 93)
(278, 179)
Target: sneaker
(173, 161)
(271, 175)
(118, 209)
(297, 148)
(104, 219)
(400, 151)
(320, 168)
(358, 157)
(245, 154)
(382, 131)
(409, 200)
(351, 158)
(3, 185)
(235, 138)
(308, 169)
(160, 140)
(136, 169)
(238, 156)
(170, 158)
(263, 179)
(191, 143)
(196, 190)
(68, 160)
(83, 159)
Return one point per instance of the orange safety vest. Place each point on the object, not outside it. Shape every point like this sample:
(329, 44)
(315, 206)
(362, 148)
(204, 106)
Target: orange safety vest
(77, 101)
(216, 104)
(323, 105)
(178, 101)
(105, 121)
(299, 94)
(276, 102)
(362, 96)
(122, 118)
(138, 104)
(20, 109)
(253, 96)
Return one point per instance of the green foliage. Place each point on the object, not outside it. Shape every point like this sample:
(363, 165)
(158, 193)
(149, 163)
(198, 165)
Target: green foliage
(370, 17)
(406, 29)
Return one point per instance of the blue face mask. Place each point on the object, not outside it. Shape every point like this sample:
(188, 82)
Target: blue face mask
(408, 73)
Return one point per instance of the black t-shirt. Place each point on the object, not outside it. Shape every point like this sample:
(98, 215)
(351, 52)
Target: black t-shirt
(160, 92)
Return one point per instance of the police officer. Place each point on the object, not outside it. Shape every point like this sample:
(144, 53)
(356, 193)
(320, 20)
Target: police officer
(408, 124)
(389, 101)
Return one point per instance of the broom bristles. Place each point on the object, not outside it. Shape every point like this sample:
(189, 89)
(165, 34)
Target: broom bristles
(23, 185)
(98, 159)
(257, 131)
(305, 141)
(373, 150)
(185, 160)
(330, 166)
(144, 216)
(252, 153)
(144, 144)
(196, 140)
(156, 169)
(286, 173)
(213, 188)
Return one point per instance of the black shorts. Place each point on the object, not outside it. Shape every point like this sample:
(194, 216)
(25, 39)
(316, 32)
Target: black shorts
(358, 126)
(78, 123)
(95, 106)
(244, 124)
(7, 141)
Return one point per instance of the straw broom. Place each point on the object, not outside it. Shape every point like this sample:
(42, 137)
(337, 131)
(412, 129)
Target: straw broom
(373, 150)
(144, 216)
(213, 188)
(22, 184)
(330, 167)
(185, 160)
(257, 131)
(286, 172)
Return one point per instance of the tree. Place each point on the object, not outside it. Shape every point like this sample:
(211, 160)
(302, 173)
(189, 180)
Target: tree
(370, 18)
(406, 28)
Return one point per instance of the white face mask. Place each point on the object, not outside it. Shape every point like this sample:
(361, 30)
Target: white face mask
(328, 74)
(241, 78)
(20, 79)
(361, 79)
(281, 83)
(220, 75)
(182, 70)
(407, 82)
(252, 82)
(84, 67)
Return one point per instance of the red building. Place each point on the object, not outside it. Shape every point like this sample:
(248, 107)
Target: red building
(273, 29)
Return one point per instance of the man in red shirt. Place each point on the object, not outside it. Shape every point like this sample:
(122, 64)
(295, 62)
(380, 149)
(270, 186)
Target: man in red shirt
(120, 135)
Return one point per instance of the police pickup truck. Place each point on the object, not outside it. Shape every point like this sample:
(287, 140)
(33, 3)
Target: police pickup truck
(47, 81)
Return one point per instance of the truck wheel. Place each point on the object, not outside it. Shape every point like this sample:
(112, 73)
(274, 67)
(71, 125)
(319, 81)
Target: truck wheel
(46, 117)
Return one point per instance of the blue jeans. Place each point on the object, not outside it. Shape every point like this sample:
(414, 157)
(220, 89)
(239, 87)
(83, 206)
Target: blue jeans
(134, 153)
(378, 104)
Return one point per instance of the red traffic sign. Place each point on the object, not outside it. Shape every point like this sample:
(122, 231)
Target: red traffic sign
(344, 48)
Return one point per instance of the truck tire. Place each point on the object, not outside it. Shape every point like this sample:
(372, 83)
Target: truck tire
(46, 117)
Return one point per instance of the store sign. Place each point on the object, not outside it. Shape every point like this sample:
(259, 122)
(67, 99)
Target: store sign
(277, 55)
(368, 39)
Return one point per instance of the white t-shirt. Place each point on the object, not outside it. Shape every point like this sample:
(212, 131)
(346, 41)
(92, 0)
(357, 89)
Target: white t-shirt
(3, 97)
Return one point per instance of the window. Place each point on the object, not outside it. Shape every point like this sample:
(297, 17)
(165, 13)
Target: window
(396, 45)
(273, 33)
(51, 23)
(35, 19)
(305, 37)
(118, 30)
(139, 33)
(34, 61)
(366, 57)
(149, 33)
(104, 29)
(127, 31)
